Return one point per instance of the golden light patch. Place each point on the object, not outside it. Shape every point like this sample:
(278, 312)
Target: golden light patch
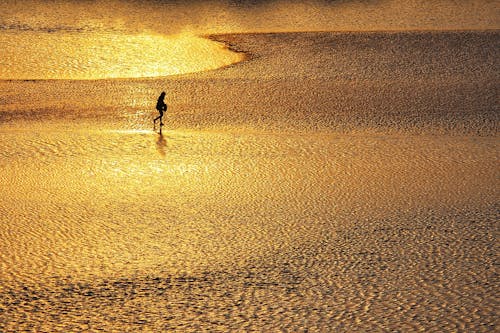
(88, 56)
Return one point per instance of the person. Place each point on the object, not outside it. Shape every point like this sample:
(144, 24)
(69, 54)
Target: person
(161, 106)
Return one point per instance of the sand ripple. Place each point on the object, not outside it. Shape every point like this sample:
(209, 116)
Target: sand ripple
(200, 230)
(374, 277)
(340, 197)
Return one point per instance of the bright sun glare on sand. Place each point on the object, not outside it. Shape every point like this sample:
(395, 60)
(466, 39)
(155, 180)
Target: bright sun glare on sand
(90, 56)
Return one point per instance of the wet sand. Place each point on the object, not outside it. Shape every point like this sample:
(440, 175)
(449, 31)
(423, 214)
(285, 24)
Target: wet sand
(331, 182)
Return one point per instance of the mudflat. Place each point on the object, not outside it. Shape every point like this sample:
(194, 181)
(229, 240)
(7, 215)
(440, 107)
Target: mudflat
(329, 182)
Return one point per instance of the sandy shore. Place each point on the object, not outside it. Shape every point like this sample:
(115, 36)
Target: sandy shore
(333, 181)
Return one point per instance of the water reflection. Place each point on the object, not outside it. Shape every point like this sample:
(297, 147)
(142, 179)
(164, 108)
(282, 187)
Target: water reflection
(97, 55)
(161, 145)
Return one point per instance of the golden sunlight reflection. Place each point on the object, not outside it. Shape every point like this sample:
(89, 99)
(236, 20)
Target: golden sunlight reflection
(345, 178)
(131, 131)
(28, 55)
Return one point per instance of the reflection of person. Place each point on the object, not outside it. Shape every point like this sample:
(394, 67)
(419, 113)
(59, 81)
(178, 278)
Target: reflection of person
(161, 106)
(161, 145)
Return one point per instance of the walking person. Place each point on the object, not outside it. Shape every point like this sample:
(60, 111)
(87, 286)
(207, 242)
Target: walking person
(161, 106)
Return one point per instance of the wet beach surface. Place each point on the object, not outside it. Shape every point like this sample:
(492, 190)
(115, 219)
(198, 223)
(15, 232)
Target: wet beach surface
(332, 181)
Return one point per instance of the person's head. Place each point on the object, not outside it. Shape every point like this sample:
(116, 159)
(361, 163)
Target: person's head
(162, 94)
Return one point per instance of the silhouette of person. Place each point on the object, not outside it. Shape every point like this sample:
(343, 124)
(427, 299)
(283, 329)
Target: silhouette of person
(161, 106)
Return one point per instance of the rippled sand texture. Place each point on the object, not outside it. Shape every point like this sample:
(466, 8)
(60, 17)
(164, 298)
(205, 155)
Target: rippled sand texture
(333, 182)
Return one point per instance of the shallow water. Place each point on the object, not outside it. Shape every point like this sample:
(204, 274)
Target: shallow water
(199, 229)
(331, 181)
(36, 55)
(128, 39)
(128, 202)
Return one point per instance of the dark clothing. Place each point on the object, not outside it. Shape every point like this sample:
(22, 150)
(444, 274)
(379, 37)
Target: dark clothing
(160, 105)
